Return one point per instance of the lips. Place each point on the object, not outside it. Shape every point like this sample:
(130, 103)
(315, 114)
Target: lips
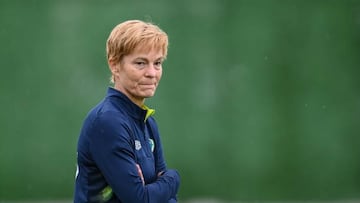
(149, 85)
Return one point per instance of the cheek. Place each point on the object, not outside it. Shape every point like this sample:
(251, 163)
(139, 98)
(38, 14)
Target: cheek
(159, 75)
(134, 77)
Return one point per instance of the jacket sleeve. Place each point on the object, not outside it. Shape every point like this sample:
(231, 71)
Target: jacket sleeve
(113, 152)
(160, 163)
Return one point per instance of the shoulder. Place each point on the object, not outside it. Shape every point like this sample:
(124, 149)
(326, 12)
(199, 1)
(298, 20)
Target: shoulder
(111, 129)
(112, 121)
(107, 120)
(106, 113)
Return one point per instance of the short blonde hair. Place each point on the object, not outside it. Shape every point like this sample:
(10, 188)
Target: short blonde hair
(127, 36)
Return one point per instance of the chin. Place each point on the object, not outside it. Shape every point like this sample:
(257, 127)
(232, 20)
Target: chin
(148, 95)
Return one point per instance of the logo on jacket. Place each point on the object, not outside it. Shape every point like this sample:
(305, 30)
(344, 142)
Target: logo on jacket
(152, 144)
(137, 145)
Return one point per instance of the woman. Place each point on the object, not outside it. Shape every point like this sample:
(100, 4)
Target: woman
(120, 156)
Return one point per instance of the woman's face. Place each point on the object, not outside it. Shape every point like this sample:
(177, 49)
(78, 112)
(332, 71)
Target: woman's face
(138, 74)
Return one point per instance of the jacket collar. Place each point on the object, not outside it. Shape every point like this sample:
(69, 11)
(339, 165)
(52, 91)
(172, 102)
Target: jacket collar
(123, 102)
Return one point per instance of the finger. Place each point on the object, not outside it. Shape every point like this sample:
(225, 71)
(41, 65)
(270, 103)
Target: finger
(160, 173)
(140, 173)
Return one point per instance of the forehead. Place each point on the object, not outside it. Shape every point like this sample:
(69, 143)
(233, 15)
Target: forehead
(147, 52)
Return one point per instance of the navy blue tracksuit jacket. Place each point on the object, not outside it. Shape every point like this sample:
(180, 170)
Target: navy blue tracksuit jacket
(116, 135)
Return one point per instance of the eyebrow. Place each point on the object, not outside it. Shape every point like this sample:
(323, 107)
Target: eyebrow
(145, 59)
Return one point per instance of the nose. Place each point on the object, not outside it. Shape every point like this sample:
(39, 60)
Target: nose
(150, 71)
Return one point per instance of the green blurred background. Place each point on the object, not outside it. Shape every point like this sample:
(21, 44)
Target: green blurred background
(259, 98)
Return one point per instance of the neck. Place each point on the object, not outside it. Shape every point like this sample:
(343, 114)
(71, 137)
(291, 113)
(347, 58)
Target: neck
(136, 100)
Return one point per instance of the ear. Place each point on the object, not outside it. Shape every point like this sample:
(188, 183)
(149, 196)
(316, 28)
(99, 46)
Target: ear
(113, 66)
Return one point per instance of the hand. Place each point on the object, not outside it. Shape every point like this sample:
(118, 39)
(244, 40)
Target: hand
(172, 177)
(140, 173)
